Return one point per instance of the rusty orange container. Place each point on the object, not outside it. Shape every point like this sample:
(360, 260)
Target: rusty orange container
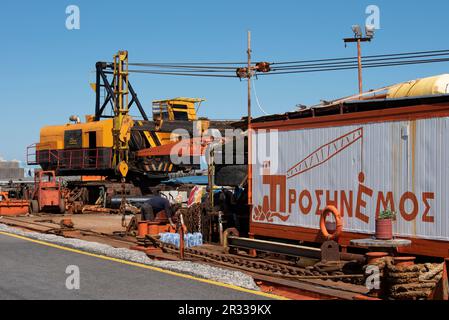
(143, 228)
(153, 229)
(404, 261)
(14, 207)
(374, 257)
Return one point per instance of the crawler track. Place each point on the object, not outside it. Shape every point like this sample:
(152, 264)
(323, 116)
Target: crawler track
(323, 271)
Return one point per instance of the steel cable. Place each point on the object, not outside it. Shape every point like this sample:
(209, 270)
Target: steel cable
(364, 57)
(224, 70)
(355, 61)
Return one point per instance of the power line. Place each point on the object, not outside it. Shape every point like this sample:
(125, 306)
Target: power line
(287, 64)
(355, 60)
(184, 70)
(189, 63)
(304, 69)
(368, 63)
(191, 66)
(355, 67)
(363, 57)
(182, 74)
(257, 98)
(225, 70)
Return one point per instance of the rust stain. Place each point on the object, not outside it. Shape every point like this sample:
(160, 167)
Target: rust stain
(292, 293)
(397, 160)
(395, 163)
(412, 144)
(413, 151)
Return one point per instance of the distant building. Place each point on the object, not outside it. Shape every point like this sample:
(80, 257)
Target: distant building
(11, 170)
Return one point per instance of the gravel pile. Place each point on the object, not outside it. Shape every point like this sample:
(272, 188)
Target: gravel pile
(195, 269)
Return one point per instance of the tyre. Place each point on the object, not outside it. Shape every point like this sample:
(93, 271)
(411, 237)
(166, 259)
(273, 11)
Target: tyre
(34, 206)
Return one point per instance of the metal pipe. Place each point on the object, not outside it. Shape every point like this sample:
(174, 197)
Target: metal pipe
(274, 247)
(117, 200)
(287, 249)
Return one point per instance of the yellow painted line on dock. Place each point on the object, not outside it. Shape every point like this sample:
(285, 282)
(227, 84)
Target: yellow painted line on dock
(144, 266)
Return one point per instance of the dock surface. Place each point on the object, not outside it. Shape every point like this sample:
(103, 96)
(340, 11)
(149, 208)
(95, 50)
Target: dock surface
(30, 270)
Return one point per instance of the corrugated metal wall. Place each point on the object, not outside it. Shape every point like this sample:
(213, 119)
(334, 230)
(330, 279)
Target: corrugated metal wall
(408, 160)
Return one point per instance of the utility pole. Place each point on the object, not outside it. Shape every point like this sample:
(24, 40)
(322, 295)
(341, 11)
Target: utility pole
(250, 169)
(359, 63)
(359, 38)
(247, 73)
(250, 74)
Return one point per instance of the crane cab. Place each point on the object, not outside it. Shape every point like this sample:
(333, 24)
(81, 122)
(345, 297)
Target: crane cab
(181, 109)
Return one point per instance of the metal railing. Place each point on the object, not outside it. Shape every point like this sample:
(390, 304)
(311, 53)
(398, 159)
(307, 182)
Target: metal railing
(31, 155)
(70, 159)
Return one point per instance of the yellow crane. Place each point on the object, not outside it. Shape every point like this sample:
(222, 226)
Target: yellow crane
(106, 144)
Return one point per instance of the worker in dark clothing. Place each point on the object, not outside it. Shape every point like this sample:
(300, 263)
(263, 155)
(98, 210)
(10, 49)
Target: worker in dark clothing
(153, 206)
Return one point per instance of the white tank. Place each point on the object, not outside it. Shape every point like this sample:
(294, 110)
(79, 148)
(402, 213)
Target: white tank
(421, 87)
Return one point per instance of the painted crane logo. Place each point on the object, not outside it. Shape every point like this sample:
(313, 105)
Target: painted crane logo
(325, 153)
(268, 211)
(280, 200)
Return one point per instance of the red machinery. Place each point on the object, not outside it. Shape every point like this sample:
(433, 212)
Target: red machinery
(12, 207)
(47, 193)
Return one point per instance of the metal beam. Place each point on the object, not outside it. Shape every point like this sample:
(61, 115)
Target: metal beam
(103, 81)
(137, 102)
(274, 247)
(292, 250)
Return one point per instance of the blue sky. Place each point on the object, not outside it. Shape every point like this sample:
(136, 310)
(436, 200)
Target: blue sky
(46, 68)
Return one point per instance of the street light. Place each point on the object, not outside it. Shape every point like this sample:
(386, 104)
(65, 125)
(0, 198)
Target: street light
(359, 38)
(369, 31)
(357, 31)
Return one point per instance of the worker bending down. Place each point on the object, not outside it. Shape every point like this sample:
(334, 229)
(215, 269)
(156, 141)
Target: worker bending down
(153, 206)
